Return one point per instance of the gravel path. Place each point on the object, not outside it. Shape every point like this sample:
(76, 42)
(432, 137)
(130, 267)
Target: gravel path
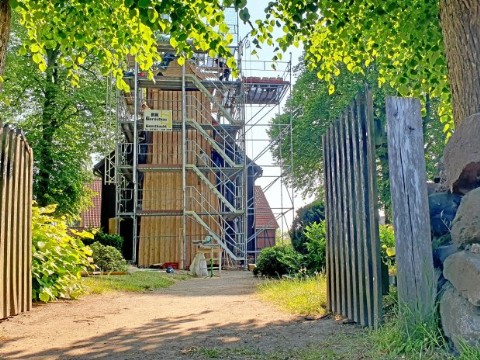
(194, 319)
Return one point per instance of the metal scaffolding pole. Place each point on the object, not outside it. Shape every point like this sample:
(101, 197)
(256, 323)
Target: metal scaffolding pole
(291, 141)
(117, 165)
(134, 170)
(184, 171)
(243, 145)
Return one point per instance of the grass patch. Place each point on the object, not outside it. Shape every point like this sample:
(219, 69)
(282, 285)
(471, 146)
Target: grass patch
(225, 353)
(419, 340)
(136, 282)
(297, 296)
(339, 347)
(467, 352)
(424, 341)
(211, 353)
(390, 342)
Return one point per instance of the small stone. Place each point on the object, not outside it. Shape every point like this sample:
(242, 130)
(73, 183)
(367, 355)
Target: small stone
(475, 249)
(441, 253)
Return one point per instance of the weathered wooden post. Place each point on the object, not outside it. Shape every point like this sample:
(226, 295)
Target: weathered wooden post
(415, 274)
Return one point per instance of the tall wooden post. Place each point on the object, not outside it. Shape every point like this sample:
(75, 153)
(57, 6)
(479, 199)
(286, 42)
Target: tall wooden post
(415, 275)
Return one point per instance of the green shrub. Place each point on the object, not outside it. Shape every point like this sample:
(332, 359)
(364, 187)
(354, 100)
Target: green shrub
(59, 257)
(107, 258)
(107, 239)
(279, 260)
(316, 257)
(309, 214)
(387, 245)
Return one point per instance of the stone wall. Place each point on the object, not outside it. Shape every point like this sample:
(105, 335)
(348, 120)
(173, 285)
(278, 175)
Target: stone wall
(460, 262)
(455, 223)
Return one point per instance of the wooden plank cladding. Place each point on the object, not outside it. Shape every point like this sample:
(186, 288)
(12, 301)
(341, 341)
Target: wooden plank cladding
(198, 106)
(353, 249)
(16, 166)
(161, 193)
(164, 148)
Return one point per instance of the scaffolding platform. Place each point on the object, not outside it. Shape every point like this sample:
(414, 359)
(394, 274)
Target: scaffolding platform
(264, 90)
(167, 82)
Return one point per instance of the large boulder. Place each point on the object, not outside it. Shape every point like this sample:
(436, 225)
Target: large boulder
(466, 226)
(443, 208)
(462, 156)
(460, 319)
(462, 269)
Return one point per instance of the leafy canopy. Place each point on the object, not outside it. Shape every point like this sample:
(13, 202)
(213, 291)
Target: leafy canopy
(112, 29)
(403, 38)
(64, 124)
(312, 111)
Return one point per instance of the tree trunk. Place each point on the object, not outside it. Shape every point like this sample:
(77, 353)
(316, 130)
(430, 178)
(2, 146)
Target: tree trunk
(460, 22)
(4, 32)
(44, 158)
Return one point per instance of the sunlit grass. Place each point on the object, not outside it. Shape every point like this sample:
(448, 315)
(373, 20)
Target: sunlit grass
(423, 342)
(404, 336)
(297, 296)
(135, 282)
(468, 352)
(390, 341)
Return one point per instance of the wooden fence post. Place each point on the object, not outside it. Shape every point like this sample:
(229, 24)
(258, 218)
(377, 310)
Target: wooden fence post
(16, 165)
(415, 274)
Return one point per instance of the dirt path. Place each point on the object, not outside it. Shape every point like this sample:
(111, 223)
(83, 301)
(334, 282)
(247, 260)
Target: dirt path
(198, 318)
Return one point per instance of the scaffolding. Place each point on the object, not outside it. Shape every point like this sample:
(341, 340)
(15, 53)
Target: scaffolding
(182, 166)
(265, 93)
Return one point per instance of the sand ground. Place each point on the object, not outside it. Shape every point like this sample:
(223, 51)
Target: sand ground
(220, 316)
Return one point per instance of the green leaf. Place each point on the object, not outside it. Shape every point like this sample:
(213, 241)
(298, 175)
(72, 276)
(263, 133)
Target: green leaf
(44, 296)
(34, 48)
(143, 4)
(331, 89)
(173, 42)
(244, 15)
(37, 58)
(391, 251)
(152, 15)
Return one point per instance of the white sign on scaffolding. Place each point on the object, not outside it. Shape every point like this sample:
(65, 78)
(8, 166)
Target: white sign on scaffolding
(157, 120)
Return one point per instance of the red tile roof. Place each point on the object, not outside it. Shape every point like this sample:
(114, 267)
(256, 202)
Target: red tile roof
(91, 217)
(264, 217)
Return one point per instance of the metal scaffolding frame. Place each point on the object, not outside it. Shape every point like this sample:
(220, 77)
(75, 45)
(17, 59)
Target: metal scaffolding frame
(267, 75)
(226, 132)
